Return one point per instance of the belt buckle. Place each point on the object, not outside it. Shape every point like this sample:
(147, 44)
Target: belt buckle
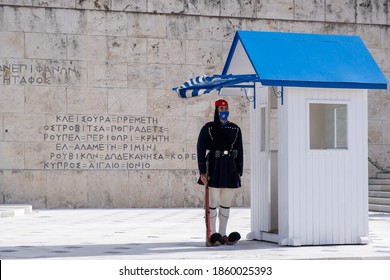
(225, 152)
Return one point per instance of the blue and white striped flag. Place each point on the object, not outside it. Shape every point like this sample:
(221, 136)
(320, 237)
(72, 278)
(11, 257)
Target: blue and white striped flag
(187, 90)
(205, 84)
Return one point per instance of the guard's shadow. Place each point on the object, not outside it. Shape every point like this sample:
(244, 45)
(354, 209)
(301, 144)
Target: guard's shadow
(159, 250)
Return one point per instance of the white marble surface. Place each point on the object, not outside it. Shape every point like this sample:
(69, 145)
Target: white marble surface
(178, 233)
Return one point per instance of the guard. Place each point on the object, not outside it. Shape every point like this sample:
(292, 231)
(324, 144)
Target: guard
(220, 163)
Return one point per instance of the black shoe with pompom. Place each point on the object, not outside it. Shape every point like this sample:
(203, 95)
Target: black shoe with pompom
(214, 240)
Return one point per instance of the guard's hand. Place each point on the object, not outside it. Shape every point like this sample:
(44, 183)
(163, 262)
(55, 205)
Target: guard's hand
(204, 178)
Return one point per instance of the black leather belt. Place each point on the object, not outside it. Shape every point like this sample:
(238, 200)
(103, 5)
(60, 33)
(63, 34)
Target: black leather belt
(221, 153)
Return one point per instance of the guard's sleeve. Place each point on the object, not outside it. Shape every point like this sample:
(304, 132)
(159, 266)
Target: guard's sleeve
(201, 148)
(240, 156)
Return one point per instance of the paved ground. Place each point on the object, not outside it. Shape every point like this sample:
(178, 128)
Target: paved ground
(121, 234)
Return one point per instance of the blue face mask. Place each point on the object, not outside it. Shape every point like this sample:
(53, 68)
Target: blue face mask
(223, 116)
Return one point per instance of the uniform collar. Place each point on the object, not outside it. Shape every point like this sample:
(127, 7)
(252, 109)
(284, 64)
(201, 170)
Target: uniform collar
(225, 123)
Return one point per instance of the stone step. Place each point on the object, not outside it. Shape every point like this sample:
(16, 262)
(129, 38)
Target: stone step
(379, 200)
(375, 181)
(379, 208)
(383, 175)
(384, 188)
(12, 210)
(6, 213)
(379, 194)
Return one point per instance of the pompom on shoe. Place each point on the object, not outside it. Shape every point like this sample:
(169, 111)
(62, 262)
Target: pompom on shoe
(214, 240)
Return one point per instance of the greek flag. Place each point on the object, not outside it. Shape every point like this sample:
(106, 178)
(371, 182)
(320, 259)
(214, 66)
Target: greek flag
(193, 87)
(205, 84)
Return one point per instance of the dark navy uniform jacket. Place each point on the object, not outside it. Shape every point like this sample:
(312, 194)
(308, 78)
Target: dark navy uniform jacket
(224, 161)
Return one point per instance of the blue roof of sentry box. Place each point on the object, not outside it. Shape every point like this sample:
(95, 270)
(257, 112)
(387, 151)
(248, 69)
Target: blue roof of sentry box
(309, 60)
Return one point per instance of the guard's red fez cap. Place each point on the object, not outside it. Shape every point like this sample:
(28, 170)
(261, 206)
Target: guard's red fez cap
(221, 102)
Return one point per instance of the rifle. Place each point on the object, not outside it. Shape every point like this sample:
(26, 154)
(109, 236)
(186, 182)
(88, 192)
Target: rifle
(207, 205)
(207, 215)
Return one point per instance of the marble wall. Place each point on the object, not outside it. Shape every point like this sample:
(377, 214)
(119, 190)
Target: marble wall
(87, 115)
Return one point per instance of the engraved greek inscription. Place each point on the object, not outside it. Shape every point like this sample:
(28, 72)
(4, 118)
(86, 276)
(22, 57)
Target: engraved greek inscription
(95, 137)
(67, 119)
(33, 74)
(61, 137)
(138, 165)
(89, 147)
(109, 142)
(61, 147)
(62, 165)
